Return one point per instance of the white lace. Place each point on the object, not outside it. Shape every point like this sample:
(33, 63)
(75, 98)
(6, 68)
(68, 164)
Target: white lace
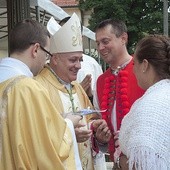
(145, 131)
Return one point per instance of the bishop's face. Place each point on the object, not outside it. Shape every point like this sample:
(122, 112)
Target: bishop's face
(68, 65)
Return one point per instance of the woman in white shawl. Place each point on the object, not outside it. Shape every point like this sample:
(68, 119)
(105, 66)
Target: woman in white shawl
(144, 136)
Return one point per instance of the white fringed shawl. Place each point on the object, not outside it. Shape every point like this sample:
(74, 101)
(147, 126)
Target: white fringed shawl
(145, 132)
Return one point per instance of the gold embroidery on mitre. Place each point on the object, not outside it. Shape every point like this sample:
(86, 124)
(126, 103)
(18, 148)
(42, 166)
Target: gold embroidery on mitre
(77, 38)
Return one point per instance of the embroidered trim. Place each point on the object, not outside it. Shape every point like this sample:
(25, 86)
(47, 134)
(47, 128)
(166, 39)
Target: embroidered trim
(3, 105)
(111, 92)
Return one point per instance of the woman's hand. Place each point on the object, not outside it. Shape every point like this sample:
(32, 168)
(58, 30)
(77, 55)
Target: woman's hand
(123, 162)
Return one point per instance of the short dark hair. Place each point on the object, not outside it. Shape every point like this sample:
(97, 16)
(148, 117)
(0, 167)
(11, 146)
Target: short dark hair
(118, 27)
(25, 33)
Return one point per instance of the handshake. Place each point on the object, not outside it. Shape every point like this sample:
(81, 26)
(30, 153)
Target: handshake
(97, 127)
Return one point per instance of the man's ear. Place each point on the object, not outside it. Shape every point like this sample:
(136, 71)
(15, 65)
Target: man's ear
(35, 49)
(124, 38)
(54, 59)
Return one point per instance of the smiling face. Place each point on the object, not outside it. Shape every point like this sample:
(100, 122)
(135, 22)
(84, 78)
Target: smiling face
(67, 65)
(109, 46)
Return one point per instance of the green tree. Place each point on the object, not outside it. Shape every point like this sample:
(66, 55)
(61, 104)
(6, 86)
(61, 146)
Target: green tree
(141, 16)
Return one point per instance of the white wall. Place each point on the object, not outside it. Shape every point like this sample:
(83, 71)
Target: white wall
(3, 53)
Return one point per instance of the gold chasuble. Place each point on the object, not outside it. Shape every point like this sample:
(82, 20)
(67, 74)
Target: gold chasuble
(62, 101)
(33, 135)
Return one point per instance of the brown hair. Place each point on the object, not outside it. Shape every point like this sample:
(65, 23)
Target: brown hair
(118, 26)
(26, 32)
(155, 49)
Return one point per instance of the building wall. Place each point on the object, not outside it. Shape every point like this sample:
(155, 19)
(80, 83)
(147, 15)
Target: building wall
(69, 9)
(84, 17)
(3, 53)
(3, 47)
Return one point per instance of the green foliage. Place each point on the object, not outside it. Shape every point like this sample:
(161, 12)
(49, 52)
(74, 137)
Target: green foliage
(141, 16)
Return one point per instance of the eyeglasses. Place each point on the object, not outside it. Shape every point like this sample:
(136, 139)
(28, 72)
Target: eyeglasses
(48, 54)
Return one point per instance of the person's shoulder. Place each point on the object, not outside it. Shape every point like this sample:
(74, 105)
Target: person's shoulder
(106, 73)
(90, 61)
(89, 58)
(42, 74)
(29, 84)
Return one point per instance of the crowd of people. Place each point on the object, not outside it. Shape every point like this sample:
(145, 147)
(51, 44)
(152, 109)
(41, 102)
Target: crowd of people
(47, 120)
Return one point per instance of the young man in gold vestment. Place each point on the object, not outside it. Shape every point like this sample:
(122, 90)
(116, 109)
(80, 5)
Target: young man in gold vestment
(33, 135)
(67, 95)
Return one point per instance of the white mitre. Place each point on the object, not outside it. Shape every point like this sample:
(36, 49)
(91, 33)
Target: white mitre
(67, 38)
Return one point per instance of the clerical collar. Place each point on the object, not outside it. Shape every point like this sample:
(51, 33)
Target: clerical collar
(121, 67)
(68, 86)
